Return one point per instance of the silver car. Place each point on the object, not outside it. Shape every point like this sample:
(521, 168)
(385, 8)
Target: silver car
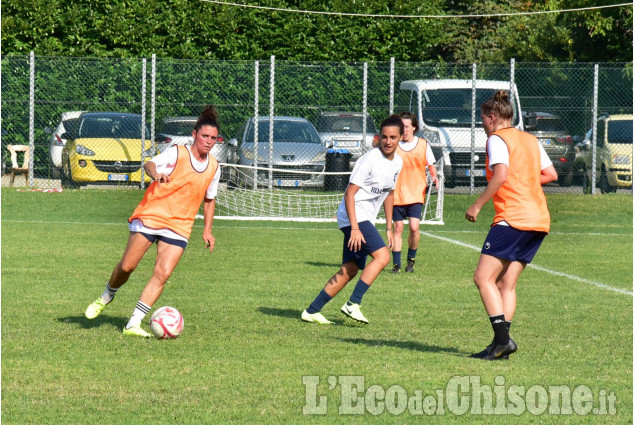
(57, 142)
(345, 130)
(296, 147)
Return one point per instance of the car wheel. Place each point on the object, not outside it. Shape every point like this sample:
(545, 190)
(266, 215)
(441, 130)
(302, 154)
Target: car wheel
(67, 177)
(566, 180)
(605, 187)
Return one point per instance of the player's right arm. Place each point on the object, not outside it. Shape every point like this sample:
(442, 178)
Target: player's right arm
(356, 239)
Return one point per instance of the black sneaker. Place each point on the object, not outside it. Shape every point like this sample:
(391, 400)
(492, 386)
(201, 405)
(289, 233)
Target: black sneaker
(482, 354)
(410, 267)
(396, 269)
(501, 352)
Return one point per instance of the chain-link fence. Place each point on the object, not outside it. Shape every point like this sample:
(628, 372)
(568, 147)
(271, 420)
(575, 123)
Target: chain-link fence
(95, 121)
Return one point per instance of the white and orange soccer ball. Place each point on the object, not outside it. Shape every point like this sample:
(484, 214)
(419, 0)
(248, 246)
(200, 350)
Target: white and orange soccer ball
(166, 323)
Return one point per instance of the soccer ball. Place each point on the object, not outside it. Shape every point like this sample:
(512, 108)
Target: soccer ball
(166, 323)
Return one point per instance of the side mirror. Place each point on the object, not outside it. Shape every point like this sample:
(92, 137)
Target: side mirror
(233, 142)
(577, 139)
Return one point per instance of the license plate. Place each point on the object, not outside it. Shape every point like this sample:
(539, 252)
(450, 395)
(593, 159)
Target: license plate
(118, 177)
(545, 142)
(353, 144)
(288, 183)
(475, 173)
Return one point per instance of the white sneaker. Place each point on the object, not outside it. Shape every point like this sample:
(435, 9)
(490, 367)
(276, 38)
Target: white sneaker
(354, 312)
(315, 318)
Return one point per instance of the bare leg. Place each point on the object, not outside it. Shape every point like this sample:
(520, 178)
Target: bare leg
(507, 287)
(168, 257)
(397, 235)
(486, 275)
(339, 280)
(413, 234)
(136, 248)
(380, 259)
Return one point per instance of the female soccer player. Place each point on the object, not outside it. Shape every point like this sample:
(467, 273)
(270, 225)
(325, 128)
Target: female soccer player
(516, 167)
(411, 189)
(371, 184)
(184, 176)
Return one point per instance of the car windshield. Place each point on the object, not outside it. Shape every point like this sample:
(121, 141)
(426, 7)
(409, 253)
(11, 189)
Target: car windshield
(620, 132)
(178, 128)
(116, 127)
(453, 107)
(344, 123)
(550, 125)
(284, 132)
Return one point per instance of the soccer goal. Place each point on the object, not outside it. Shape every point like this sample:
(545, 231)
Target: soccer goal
(258, 193)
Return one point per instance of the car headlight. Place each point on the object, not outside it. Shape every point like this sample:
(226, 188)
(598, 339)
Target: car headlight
(320, 157)
(82, 150)
(151, 152)
(621, 159)
(432, 137)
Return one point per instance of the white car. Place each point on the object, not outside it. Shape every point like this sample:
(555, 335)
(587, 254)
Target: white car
(58, 142)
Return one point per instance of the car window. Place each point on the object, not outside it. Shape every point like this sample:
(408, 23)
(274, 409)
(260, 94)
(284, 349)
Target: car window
(111, 127)
(549, 125)
(343, 123)
(620, 132)
(284, 132)
(178, 128)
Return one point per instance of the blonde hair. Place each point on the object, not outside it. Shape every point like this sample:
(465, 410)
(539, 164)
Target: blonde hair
(498, 105)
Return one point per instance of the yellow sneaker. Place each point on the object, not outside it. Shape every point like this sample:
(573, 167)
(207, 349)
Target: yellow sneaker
(136, 331)
(95, 308)
(315, 318)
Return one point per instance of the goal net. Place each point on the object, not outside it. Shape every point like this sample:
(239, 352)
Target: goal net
(272, 194)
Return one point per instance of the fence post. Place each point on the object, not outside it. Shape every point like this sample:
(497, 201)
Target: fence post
(364, 106)
(153, 99)
(473, 129)
(512, 90)
(142, 183)
(31, 117)
(596, 72)
(256, 95)
(272, 80)
(392, 85)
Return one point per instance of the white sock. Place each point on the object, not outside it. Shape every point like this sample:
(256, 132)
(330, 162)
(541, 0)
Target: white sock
(138, 314)
(109, 294)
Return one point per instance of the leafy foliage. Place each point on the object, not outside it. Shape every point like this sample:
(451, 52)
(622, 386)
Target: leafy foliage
(198, 30)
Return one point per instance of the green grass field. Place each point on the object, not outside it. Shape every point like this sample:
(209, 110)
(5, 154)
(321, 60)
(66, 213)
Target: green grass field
(245, 356)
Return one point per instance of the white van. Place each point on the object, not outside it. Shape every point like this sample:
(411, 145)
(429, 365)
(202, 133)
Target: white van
(444, 111)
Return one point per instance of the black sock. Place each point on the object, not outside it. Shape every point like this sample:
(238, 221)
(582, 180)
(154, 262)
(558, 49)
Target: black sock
(508, 324)
(501, 334)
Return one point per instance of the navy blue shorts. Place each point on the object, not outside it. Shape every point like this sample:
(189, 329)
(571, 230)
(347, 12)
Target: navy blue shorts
(511, 244)
(399, 212)
(373, 242)
(170, 241)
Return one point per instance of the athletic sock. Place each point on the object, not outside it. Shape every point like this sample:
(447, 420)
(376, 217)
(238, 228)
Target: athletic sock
(412, 253)
(109, 294)
(358, 293)
(508, 324)
(396, 258)
(319, 302)
(138, 314)
(501, 335)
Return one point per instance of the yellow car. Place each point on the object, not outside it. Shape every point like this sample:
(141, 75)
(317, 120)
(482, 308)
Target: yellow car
(105, 147)
(613, 153)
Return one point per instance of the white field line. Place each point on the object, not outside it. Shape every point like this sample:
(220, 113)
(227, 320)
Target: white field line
(539, 268)
(452, 241)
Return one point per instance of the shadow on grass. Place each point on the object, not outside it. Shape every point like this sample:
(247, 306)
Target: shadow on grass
(288, 313)
(101, 320)
(406, 345)
(320, 264)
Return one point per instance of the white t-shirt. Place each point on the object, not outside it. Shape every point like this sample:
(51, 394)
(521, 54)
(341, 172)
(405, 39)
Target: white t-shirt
(376, 177)
(408, 146)
(166, 161)
(499, 154)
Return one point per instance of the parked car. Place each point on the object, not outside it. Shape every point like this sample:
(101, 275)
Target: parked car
(345, 130)
(296, 147)
(105, 147)
(614, 153)
(57, 142)
(178, 131)
(557, 141)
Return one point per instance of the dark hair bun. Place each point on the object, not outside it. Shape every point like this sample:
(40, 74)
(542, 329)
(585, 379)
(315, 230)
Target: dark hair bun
(209, 113)
(501, 96)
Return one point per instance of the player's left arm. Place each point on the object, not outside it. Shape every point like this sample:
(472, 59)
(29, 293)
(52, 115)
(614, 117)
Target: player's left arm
(209, 206)
(388, 205)
(430, 164)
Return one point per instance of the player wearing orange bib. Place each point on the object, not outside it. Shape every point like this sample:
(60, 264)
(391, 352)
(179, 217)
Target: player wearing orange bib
(411, 189)
(184, 176)
(516, 166)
